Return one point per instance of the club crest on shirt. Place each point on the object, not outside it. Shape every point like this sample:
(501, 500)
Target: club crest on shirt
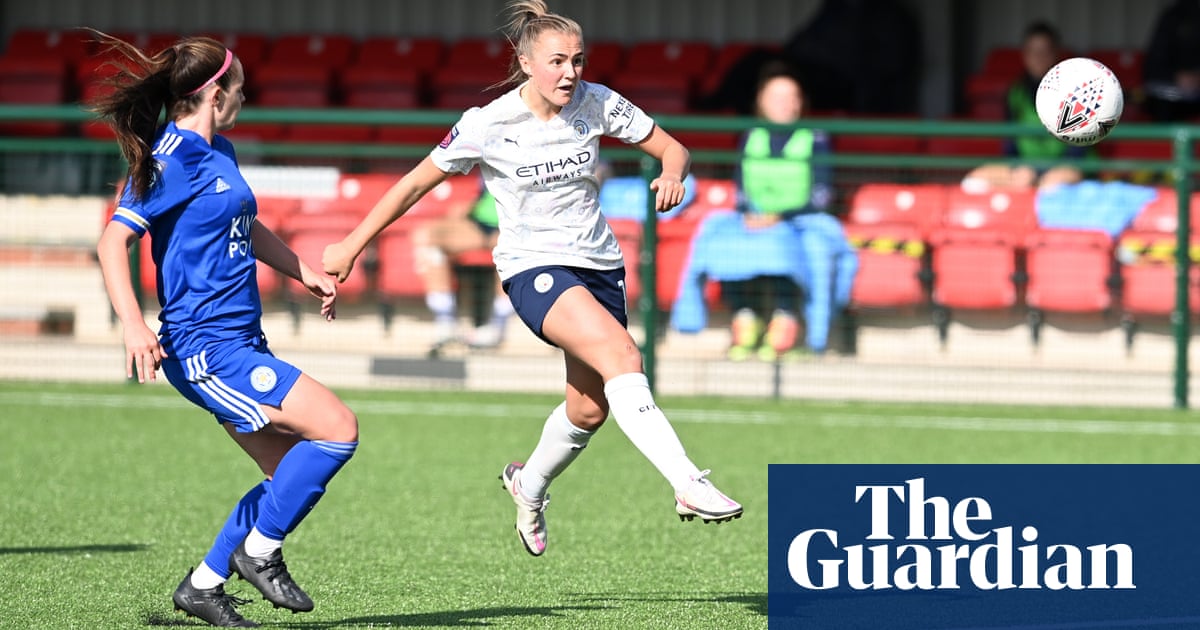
(450, 136)
(262, 378)
(543, 282)
(581, 129)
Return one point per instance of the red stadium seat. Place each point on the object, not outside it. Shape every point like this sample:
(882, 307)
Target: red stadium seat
(1007, 211)
(974, 258)
(250, 48)
(604, 60)
(33, 82)
(417, 54)
(1147, 266)
(307, 234)
(1138, 149)
(707, 140)
(482, 54)
(464, 88)
(675, 235)
(973, 269)
(256, 132)
(329, 133)
(276, 212)
(1004, 61)
(918, 205)
(360, 193)
(149, 43)
(653, 92)
(421, 136)
(292, 85)
(629, 236)
(68, 45)
(887, 223)
(689, 59)
(986, 96)
(890, 265)
(878, 144)
(965, 146)
(1147, 269)
(1126, 63)
(397, 275)
(381, 87)
(327, 52)
(1162, 213)
(1068, 271)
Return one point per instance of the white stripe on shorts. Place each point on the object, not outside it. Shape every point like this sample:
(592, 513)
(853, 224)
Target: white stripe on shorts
(236, 402)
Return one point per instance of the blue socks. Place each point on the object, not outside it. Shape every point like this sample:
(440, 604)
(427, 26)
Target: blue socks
(298, 484)
(235, 529)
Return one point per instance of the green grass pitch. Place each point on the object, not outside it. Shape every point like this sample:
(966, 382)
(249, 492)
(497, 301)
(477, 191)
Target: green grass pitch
(110, 493)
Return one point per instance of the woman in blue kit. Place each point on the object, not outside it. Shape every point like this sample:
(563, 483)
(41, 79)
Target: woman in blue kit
(184, 188)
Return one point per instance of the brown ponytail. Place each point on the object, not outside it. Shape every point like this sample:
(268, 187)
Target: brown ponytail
(527, 20)
(146, 87)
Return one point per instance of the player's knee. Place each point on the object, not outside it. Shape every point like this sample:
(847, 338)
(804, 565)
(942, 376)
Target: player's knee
(587, 415)
(629, 357)
(343, 425)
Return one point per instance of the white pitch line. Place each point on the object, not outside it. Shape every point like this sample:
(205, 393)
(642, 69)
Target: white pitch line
(679, 415)
(1015, 425)
(376, 407)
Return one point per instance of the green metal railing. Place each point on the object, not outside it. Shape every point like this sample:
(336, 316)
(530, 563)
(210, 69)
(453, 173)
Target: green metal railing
(1182, 165)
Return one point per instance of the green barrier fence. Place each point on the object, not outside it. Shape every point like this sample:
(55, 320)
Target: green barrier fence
(1179, 169)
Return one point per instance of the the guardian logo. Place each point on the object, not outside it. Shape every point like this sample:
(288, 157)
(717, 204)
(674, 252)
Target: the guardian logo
(948, 544)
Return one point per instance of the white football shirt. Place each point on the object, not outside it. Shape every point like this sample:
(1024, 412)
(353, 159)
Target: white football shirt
(543, 175)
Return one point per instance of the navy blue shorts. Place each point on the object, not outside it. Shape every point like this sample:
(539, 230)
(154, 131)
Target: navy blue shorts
(232, 380)
(533, 292)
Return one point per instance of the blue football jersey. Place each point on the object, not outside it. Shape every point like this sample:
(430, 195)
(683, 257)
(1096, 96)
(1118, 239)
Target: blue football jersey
(199, 212)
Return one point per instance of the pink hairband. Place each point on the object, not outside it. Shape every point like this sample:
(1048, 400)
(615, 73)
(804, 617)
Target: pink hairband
(224, 67)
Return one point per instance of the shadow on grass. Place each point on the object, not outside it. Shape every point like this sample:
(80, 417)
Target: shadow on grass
(73, 549)
(446, 619)
(754, 602)
(478, 617)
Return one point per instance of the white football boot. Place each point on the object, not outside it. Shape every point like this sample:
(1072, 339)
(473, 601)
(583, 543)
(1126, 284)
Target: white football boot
(701, 498)
(531, 517)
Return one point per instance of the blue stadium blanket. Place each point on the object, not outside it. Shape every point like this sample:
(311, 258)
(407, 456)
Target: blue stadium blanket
(1089, 205)
(625, 198)
(725, 249)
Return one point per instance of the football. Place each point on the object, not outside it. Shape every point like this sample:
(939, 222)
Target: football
(1079, 101)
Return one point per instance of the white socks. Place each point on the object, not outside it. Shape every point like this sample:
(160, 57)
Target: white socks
(442, 304)
(560, 444)
(259, 546)
(205, 578)
(645, 425)
(501, 308)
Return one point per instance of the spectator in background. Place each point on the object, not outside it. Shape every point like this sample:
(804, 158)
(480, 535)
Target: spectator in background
(1041, 48)
(782, 240)
(465, 228)
(1171, 69)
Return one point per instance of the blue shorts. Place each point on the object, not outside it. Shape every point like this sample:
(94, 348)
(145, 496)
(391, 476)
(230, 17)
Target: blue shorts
(533, 292)
(232, 380)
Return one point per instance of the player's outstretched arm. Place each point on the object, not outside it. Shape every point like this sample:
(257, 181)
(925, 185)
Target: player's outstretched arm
(338, 258)
(271, 249)
(143, 352)
(676, 162)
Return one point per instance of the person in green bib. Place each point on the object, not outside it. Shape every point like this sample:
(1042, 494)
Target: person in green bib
(465, 228)
(1041, 48)
(780, 186)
